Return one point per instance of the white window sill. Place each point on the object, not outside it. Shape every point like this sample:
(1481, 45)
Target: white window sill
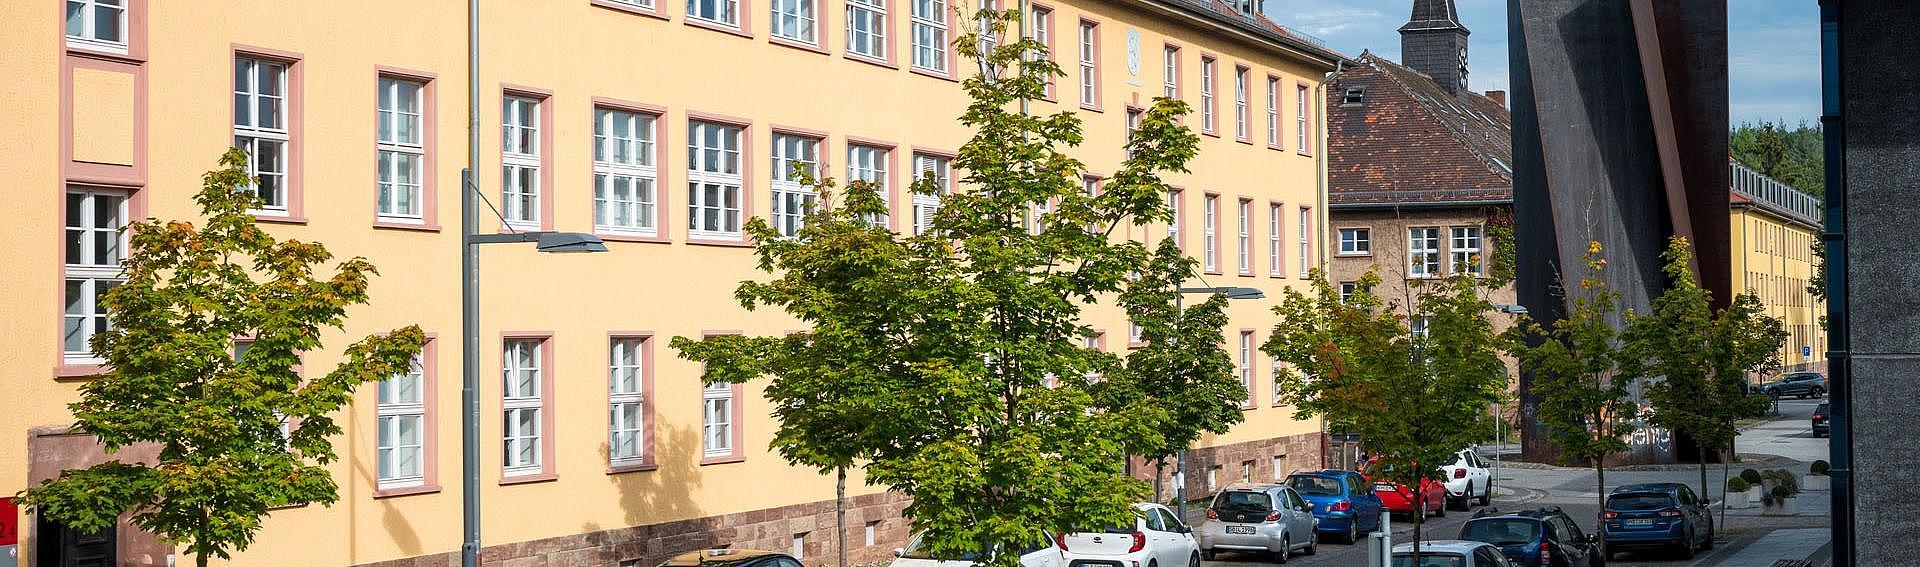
(114, 48)
(626, 231)
(523, 226)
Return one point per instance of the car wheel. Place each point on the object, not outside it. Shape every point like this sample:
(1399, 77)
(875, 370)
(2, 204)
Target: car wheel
(1466, 498)
(1816, 392)
(1353, 532)
(1286, 550)
(1441, 510)
(1486, 496)
(1193, 561)
(1313, 546)
(1207, 554)
(1686, 549)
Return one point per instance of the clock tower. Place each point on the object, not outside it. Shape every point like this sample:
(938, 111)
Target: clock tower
(1434, 42)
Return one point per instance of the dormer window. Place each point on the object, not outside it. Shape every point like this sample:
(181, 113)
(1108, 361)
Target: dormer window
(1246, 7)
(1354, 95)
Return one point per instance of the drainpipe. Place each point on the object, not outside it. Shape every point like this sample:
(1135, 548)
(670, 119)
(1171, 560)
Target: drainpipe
(1839, 360)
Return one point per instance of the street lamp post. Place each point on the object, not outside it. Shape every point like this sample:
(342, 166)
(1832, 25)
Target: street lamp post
(1179, 309)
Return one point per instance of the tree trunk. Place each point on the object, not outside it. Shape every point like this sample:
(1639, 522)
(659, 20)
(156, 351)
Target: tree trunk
(1159, 472)
(840, 511)
(1724, 465)
(200, 559)
(1600, 483)
(1419, 518)
(1703, 476)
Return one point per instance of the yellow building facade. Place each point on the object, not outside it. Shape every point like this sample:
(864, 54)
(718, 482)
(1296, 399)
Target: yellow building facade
(1775, 228)
(658, 126)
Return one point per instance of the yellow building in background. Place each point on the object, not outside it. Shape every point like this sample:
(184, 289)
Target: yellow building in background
(1775, 228)
(657, 125)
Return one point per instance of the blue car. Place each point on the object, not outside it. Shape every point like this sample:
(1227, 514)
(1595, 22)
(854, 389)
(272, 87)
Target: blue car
(1342, 501)
(1663, 515)
(1543, 536)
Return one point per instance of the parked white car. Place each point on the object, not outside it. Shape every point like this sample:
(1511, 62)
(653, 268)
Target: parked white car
(1261, 518)
(1450, 553)
(1468, 480)
(1039, 553)
(1157, 538)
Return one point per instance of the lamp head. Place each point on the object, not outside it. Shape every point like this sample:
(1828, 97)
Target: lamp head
(569, 242)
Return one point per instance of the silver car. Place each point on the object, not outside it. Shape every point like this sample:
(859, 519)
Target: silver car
(1269, 518)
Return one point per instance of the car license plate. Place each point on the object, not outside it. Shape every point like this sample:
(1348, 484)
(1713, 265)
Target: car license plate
(1640, 522)
(1240, 530)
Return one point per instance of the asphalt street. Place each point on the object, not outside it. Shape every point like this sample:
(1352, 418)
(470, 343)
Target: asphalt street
(1574, 491)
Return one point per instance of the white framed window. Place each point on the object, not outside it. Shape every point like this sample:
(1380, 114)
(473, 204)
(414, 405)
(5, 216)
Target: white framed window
(867, 28)
(872, 527)
(625, 175)
(401, 147)
(1210, 233)
(1240, 103)
(1356, 241)
(1246, 471)
(1273, 112)
(1347, 289)
(520, 161)
(1246, 237)
(1173, 226)
(1170, 65)
(1418, 327)
(794, 20)
(1090, 186)
(1279, 467)
(718, 422)
(94, 248)
(869, 163)
(791, 199)
(1423, 251)
(1246, 365)
(1273, 240)
(800, 545)
(1306, 241)
(400, 418)
(626, 401)
(713, 180)
(1043, 33)
(988, 40)
(97, 24)
(1206, 94)
(648, 4)
(522, 402)
(1040, 210)
(260, 127)
(723, 12)
(1089, 61)
(1464, 250)
(1300, 117)
(1213, 477)
(925, 206)
(930, 35)
(1135, 333)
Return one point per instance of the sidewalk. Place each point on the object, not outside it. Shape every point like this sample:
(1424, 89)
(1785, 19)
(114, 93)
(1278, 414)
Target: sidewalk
(1792, 544)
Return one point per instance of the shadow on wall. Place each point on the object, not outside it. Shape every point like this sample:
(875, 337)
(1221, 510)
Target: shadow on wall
(398, 528)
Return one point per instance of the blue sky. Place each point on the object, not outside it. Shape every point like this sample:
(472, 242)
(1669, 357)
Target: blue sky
(1773, 59)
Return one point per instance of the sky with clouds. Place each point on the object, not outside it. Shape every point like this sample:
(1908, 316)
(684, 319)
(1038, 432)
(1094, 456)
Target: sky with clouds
(1773, 46)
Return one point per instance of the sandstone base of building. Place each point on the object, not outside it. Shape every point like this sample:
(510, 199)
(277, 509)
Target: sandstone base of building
(1265, 460)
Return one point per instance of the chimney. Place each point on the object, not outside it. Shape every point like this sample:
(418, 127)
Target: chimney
(1498, 96)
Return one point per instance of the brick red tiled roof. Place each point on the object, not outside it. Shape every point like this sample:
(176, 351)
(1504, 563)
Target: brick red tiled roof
(1408, 141)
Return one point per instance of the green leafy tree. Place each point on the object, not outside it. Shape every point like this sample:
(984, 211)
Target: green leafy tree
(1793, 155)
(1585, 403)
(1177, 385)
(1414, 398)
(1698, 360)
(959, 349)
(173, 379)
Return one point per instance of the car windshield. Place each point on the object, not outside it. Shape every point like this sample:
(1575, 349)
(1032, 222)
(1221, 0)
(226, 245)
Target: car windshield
(1315, 485)
(1405, 559)
(1501, 531)
(1241, 500)
(1640, 501)
(917, 549)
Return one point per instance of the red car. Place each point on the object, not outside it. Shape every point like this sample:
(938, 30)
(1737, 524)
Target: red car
(1398, 500)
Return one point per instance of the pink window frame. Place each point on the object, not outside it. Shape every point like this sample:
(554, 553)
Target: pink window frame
(1243, 114)
(1279, 269)
(1210, 85)
(747, 187)
(737, 407)
(296, 140)
(549, 470)
(1279, 115)
(648, 460)
(429, 144)
(1180, 218)
(1099, 94)
(1044, 17)
(1210, 202)
(1306, 241)
(136, 209)
(1179, 68)
(894, 193)
(1304, 105)
(819, 30)
(744, 29)
(655, 12)
(136, 38)
(429, 427)
(1253, 368)
(547, 192)
(662, 197)
(953, 32)
(1253, 235)
(890, 43)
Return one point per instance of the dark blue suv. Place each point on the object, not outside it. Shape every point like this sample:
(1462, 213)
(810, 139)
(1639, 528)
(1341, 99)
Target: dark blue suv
(1663, 515)
(1343, 501)
(1543, 536)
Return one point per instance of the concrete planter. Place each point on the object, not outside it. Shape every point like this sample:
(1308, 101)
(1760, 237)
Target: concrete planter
(1753, 494)
(1783, 507)
(1816, 482)
(1739, 500)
